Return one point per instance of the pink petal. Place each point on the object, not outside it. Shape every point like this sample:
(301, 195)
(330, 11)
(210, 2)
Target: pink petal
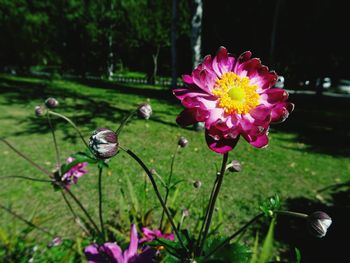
(281, 112)
(261, 141)
(219, 144)
(93, 255)
(204, 79)
(191, 116)
(275, 95)
(190, 92)
(261, 115)
(187, 79)
(132, 250)
(114, 251)
(222, 62)
(214, 115)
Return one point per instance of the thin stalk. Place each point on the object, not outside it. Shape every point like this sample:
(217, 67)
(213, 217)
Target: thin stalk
(75, 216)
(27, 178)
(26, 221)
(167, 189)
(294, 214)
(100, 201)
(58, 158)
(84, 210)
(212, 205)
(227, 240)
(207, 210)
(27, 158)
(150, 176)
(121, 126)
(71, 123)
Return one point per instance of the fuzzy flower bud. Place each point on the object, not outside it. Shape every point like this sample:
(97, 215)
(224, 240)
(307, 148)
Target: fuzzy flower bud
(51, 103)
(144, 111)
(182, 142)
(197, 184)
(39, 111)
(104, 143)
(319, 222)
(234, 166)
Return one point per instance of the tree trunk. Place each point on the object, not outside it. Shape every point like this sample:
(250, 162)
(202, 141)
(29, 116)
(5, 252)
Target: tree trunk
(173, 44)
(152, 78)
(196, 40)
(110, 58)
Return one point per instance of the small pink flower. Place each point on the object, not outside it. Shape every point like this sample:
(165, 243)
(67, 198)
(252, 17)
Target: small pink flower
(74, 173)
(111, 252)
(150, 235)
(233, 97)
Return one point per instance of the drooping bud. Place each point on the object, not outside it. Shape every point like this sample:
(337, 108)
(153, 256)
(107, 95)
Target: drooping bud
(51, 103)
(197, 184)
(319, 222)
(39, 110)
(104, 143)
(182, 142)
(234, 166)
(144, 111)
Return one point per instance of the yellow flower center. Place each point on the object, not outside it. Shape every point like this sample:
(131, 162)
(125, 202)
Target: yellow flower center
(236, 94)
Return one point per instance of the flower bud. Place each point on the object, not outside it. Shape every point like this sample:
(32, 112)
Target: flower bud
(39, 111)
(51, 103)
(185, 212)
(234, 166)
(319, 222)
(144, 111)
(104, 143)
(197, 184)
(182, 142)
(57, 241)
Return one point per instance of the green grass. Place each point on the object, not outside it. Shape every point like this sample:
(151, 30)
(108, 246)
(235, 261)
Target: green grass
(293, 165)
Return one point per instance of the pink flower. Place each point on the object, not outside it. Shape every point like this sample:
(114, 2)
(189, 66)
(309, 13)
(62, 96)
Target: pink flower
(74, 173)
(111, 252)
(233, 97)
(150, 235)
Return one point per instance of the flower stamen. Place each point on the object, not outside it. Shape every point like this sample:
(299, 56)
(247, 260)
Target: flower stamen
(236, 94)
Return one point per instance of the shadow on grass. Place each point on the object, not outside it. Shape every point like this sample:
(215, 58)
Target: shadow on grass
(321, 123)
(331, 248)
(82, 110)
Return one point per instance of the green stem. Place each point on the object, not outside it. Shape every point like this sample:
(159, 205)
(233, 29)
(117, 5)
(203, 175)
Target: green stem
(27, 178)
(207, 211)
(71, 123)
(27, 158)
(212, 205)
(289, 213)
(153, 182)
(26, 221)
(125, 121)
(58, 158)
(100, 201)
(167, 189)
(83, 209)
(227, 240)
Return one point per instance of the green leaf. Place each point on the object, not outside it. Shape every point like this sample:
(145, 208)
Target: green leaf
(255, 249)
(271, 204)
(267, 249)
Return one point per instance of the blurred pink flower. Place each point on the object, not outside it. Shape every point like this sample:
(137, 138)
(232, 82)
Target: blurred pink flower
(150, 235)
(111, 252)
(233, 97)
(74, 173)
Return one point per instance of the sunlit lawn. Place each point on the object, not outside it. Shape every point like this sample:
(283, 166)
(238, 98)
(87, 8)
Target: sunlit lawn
(289, 167)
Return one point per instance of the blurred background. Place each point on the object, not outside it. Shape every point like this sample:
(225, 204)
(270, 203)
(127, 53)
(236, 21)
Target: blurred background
(304, 41)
